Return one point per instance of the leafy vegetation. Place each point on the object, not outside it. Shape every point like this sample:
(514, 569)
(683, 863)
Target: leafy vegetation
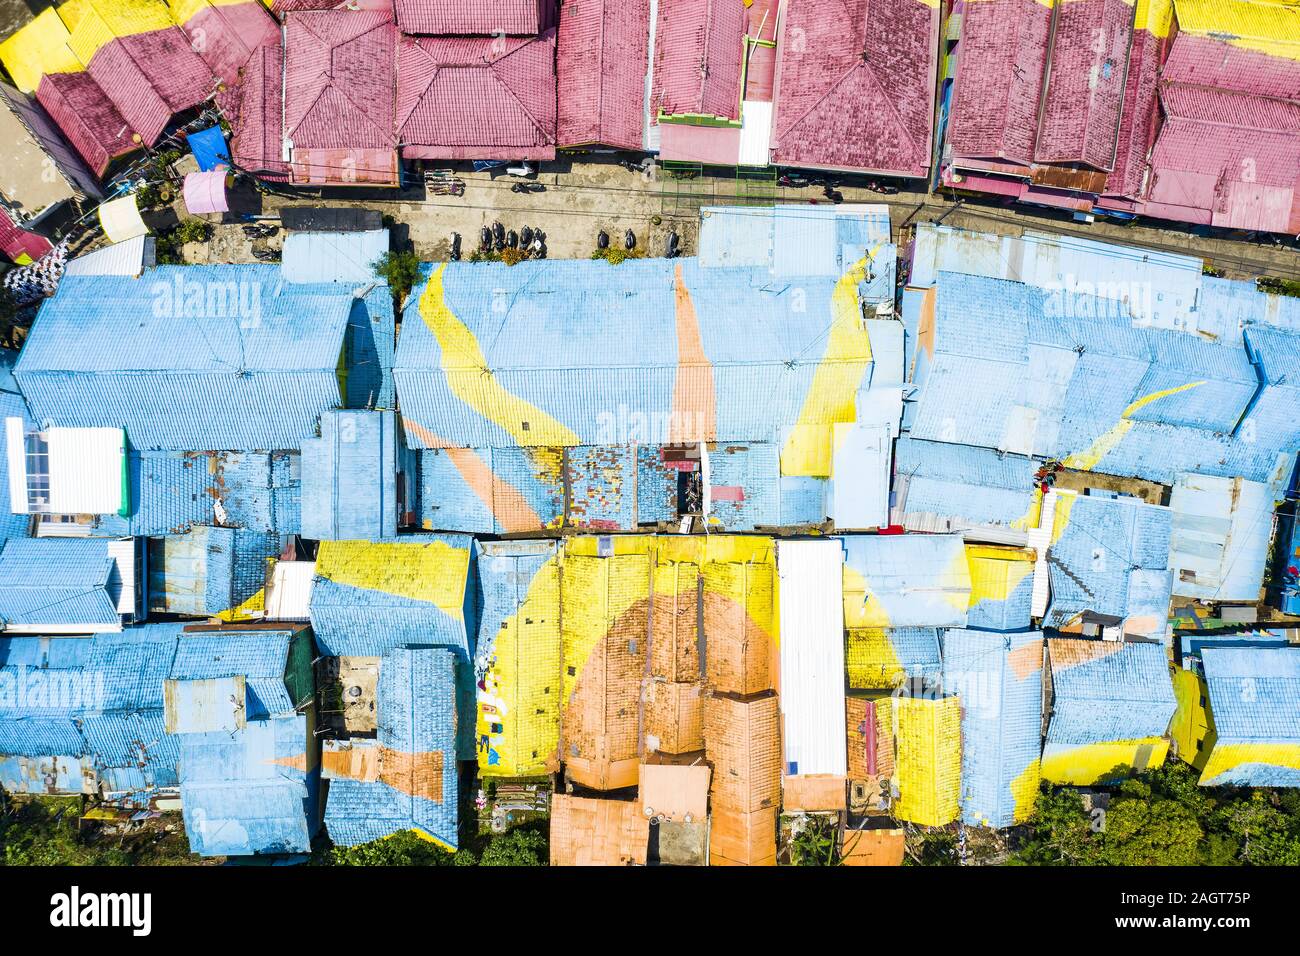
(1279, 286)
(815, 843)
(169, 245)
(43, 832)
(616, 255)
(521, 846)
(1164, 818)
(400, 269)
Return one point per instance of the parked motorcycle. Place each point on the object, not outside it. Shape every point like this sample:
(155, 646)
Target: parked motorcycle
(674, 249)
(602, 240)
(455, 247)
(527, 188)
(629, 240)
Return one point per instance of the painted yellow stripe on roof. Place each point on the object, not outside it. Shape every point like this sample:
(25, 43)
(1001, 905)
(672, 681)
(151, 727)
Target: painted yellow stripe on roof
(1089, 458)
(1088, 764)
(928, 734)
(861, 606)
(836, 380)
(183, 11)
(95, 23)
(470, 379)
(519, 690)
(1271, 28)
(995, 572)
(1191, 724)
(38, 48)
(252, 609)
(1154, 16)
(1024, 791)
(1226, 757)
(433, 571)
(870, 660)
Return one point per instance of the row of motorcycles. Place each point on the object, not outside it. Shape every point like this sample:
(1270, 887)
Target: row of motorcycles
(672, 250)
(830, 187)
(530, 241)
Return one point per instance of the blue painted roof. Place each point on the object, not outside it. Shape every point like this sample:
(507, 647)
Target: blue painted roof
(208, 570)
(1254, 693)
(188, 357)
(1118, 691)
(1001, 716)
(347, 257)
(416, 712)
(580, 344)
(449, 503)
(58, 581)
(371, 342)
(349, 477)
(791, 239)
(260, 656)
(913, 580)
(11, 525)
(1054, 373)
(244, 794)
(1112, 558)
(972, 486)
(99, 697)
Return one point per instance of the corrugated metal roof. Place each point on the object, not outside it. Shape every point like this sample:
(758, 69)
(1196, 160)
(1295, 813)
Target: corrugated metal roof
(1108, 691)
(959, 485)
(246, 793)
(1110, 556)
(59, 582)
(151, 76)
(188, 357)
(416, 786)
(812, 656)
(87, 117)
(369, 598)
(129, 258)
(907, 581)
(349, 477)
(614, 372)
(321, 257)
(998, 678)
(1220, 540)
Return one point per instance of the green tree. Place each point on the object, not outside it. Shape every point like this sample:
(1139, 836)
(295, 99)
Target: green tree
(522, 846)
(400, 849)
(400, 269)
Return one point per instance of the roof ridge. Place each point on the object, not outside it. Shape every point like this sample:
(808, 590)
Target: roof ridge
(509, 89)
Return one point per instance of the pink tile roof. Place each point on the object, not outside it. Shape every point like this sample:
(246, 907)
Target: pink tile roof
(477, 98)
(1210, 62)
(1237, 156)
(475, 17)
(256, 144)
(1085, 84)
(1139, 117)
(856, 91)
(150, 77)
(16, 242)
(87, 117)
(1001, 56)
(339, 80)
(602, 58)
(225, 36)
(698, 55)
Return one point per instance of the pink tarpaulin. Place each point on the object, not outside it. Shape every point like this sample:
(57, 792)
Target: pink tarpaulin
(206, 192)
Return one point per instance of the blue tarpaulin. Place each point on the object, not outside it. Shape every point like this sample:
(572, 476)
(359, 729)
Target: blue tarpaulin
(209, 148)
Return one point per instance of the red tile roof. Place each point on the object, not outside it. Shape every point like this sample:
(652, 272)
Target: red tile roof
(16, 243)
(1139, 117)
(855, 85)
(602, 57)
(1236, 155)
(1211, 62)
(256, 144)
(1001, 54)
(150, 77)
(87, 117)
(475, 17)
(1085, 84)
(225, 36)
(477, 98)
(339, 80)
(698, 57)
